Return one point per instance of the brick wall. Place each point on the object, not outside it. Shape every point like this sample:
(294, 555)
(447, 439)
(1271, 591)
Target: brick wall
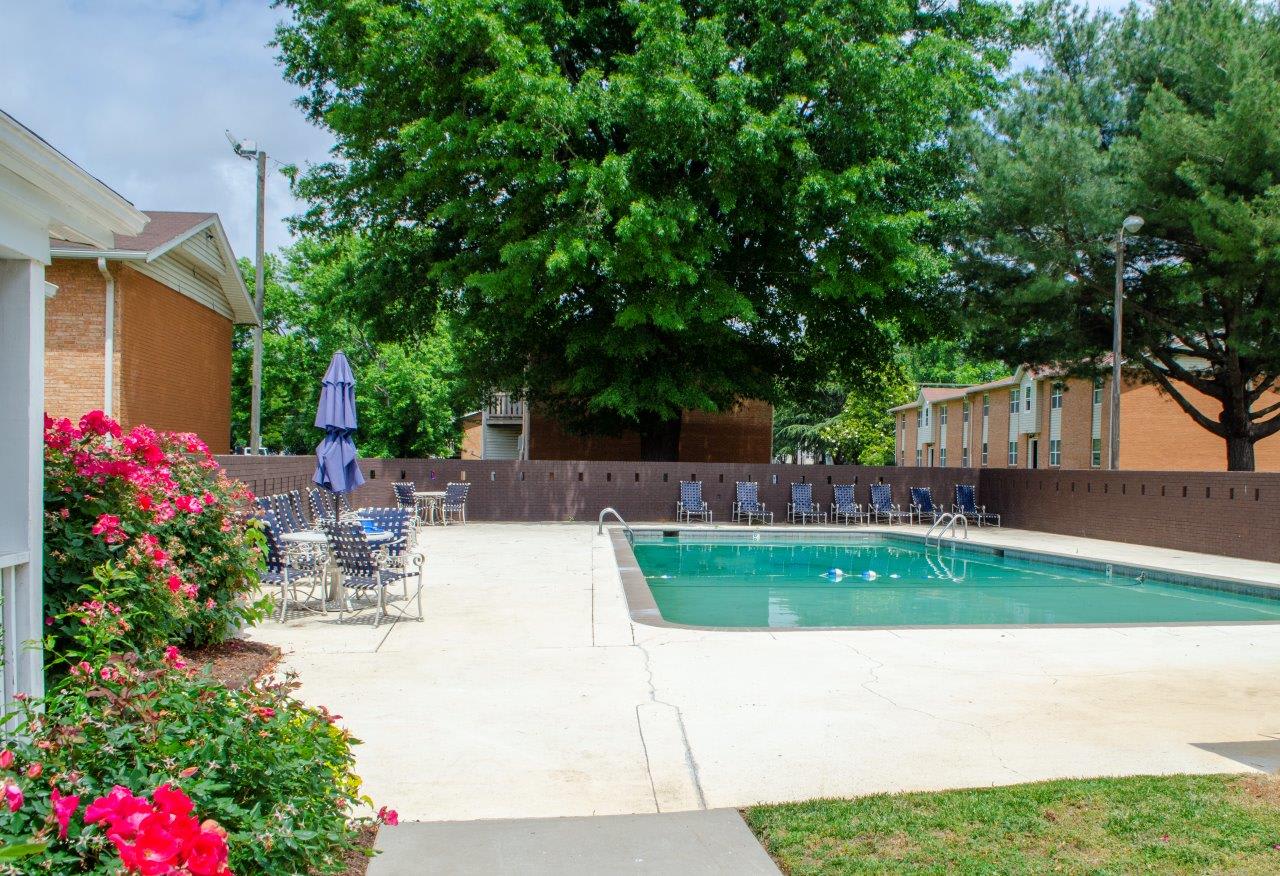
(1233, 514)
(175, 360)
(742, 433)
(74, 338)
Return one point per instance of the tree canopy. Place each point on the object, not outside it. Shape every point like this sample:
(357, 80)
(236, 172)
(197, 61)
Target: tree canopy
(406, 392)
(1168, 112)
(634, 208)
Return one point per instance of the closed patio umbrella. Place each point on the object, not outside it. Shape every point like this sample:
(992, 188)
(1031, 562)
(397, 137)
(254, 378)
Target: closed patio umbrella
(336, 459)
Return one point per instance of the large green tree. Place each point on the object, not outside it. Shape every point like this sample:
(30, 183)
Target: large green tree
(1168, 112)
(407, 392)
(634, 207)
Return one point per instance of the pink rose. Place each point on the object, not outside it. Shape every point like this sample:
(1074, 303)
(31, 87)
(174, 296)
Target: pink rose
(13, 797)
(63, 809)
(6, 759)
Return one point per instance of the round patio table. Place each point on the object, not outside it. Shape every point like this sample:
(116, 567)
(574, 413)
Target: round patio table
(431, 500)
(311, 537)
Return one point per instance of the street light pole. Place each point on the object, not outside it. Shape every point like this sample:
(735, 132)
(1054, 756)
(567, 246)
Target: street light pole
(255, 404)
(1132, 224)
(249, 150)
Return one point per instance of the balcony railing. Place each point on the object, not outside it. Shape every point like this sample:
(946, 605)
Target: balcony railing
(504, 407)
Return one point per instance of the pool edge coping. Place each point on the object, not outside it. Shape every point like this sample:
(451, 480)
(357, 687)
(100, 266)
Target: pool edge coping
(643, 608)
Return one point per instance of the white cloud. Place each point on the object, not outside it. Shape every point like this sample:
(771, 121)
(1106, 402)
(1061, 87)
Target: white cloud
(138, 92)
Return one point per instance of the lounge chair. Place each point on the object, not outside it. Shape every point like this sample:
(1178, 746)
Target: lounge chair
(843, 505)
(967, 504)
(922, 505)
(405, 498)
(691, 503)
(881, 505)
(365, 570)
(454, 503)
(747, 503)
(802, 507)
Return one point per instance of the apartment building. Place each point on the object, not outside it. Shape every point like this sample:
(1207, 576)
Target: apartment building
(1038, 419)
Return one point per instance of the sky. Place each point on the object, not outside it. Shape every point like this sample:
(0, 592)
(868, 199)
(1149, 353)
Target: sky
(139, 92)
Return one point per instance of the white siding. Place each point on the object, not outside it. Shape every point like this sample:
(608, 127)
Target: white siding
(501, 442)
(193, 283)
(1029, 415)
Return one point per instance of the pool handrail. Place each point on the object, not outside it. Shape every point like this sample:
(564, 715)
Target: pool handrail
(947, 522)
(614, 512)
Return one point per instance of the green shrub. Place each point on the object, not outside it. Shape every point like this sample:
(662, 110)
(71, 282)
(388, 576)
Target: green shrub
(275, 774)
(154, 505)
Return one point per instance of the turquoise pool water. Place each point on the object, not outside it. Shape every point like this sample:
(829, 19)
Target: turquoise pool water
(896, 582)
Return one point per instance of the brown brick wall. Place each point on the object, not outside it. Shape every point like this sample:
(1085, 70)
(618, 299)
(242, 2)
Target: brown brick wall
(1150, 423)
(176, 361)
(74, 338)
(743, 434)
(472, 437)
(1232, 514)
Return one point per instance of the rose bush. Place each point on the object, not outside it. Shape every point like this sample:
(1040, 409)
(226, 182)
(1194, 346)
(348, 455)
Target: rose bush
(156, 507)
(270, 776)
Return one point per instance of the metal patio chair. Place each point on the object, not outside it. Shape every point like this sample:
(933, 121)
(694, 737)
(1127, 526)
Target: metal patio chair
(293, 568)
(454, 503)
(843, 504)
(691, 504)
(747, 503)
(802, 507)
(366, 571)
(967, 505)
(881, 505)
(922, 505)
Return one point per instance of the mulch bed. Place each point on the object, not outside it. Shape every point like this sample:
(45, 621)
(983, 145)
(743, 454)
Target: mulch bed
(238, 663)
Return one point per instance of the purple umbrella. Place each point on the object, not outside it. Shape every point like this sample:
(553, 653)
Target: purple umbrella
(336, 467)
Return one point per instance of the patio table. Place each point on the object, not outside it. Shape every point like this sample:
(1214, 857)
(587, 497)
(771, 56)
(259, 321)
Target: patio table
(311, 537)
(431, 500)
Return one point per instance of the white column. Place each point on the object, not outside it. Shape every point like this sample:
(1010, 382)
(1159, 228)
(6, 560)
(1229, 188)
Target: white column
(22, 291)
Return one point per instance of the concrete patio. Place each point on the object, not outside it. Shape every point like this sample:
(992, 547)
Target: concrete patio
(529, 693)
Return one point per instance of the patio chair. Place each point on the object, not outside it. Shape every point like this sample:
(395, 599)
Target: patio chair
(321, 506)
(881, 505)
(295, 505)
(291, 570)
(843, 504)
(691, 503)
(747, 503)
(365, 571)
(922, 505)
(282, 508)
(398, 522)
(967, 504)
(802, 507)
(454, 503)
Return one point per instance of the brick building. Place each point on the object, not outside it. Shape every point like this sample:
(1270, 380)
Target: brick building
(1036, 419)
(142, 330)
(507, 429)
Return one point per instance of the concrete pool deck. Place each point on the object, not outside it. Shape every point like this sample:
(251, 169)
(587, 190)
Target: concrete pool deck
(528, 692)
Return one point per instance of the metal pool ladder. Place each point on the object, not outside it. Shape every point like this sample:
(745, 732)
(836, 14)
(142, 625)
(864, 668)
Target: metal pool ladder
(947, 522)
(614, 512)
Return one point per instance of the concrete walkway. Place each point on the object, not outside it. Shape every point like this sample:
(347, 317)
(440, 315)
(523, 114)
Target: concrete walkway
(528, 693)
(711, 843)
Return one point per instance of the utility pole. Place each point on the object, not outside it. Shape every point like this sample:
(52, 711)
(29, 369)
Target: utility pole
(1131, 224)
(249, 150)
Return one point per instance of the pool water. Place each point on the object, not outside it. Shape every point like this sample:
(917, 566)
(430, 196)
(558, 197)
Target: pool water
(896, 582)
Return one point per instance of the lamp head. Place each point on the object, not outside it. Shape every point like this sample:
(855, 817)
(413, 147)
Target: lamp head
(1133, 224)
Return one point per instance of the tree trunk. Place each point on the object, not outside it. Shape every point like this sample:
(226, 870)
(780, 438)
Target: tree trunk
(1239, 453)
(660, 439)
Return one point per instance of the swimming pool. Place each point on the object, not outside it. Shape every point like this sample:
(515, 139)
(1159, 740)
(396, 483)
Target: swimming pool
(756, 580)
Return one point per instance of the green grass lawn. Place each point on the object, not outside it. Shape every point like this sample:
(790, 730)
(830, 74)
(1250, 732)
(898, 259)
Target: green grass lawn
(1141, 824)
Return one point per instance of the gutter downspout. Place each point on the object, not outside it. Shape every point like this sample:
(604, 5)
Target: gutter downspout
(109, 339)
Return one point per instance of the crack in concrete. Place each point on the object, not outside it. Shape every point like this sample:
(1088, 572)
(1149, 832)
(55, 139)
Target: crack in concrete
(877, 665)
(690, 762)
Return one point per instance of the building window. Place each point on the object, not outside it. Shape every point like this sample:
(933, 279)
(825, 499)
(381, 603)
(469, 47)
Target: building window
(1029, 396)
(919, 417)
(964, 412)
(1055, 397)
(926, 416)
(919, 457)
(984, 453)
(942, 416)
(1015, 399)
(1097, 390)
(986, 405)
(964, 457)
(1097, 453)
(942, 457)
(1013, 453)
(1055, 451)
